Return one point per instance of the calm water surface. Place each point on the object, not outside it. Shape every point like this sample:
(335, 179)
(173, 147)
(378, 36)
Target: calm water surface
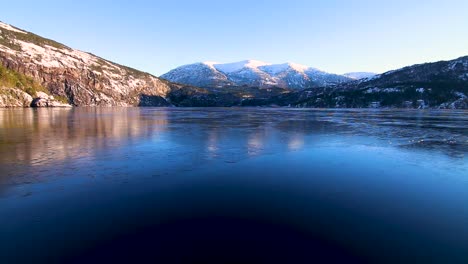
(233, 185)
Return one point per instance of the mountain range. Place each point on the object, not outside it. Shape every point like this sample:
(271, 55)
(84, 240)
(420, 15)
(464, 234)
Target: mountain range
(442, 84)
(255, 73)
(40, 72)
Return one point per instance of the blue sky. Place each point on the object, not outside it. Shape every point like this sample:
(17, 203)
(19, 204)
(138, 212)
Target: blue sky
(336, 35)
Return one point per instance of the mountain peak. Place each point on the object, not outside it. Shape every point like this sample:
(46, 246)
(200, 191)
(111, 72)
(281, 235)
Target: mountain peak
(253, 73)
(275, 69)
(298, 67)
(207, 63)
(237, 66)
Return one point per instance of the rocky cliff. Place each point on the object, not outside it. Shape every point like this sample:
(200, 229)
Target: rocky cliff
(77, 78)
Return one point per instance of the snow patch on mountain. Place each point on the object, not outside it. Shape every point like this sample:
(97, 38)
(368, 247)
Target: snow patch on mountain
(52, 57)
(359, 75)
(276, 69)
(237, 66)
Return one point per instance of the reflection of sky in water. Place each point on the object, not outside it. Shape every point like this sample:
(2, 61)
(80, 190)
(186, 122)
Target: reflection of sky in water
(295, 142)
(335, 170)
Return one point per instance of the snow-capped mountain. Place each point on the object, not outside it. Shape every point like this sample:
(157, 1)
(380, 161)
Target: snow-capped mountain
(359, 75)
(253, 73)
(198, 74)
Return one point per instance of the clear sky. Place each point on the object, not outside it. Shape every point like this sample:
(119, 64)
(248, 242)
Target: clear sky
(335, 35)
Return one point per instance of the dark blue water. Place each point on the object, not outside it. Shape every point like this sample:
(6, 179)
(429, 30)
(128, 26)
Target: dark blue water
(226, 185)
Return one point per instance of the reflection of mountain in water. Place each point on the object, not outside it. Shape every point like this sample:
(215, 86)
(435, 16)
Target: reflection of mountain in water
(44, 136)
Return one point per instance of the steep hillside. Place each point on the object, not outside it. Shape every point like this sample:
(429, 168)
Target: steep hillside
(79, 78)
(442, 84)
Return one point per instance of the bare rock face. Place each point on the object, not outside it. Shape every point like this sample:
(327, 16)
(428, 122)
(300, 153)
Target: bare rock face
(44, 100)
(82, 78)
(40, 102)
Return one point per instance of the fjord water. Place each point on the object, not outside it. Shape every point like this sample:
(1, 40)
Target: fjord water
(233, 185)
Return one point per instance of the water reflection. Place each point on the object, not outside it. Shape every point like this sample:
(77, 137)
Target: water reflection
(44, 136)
(256, 142)
(41, 136)
(296, 141)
